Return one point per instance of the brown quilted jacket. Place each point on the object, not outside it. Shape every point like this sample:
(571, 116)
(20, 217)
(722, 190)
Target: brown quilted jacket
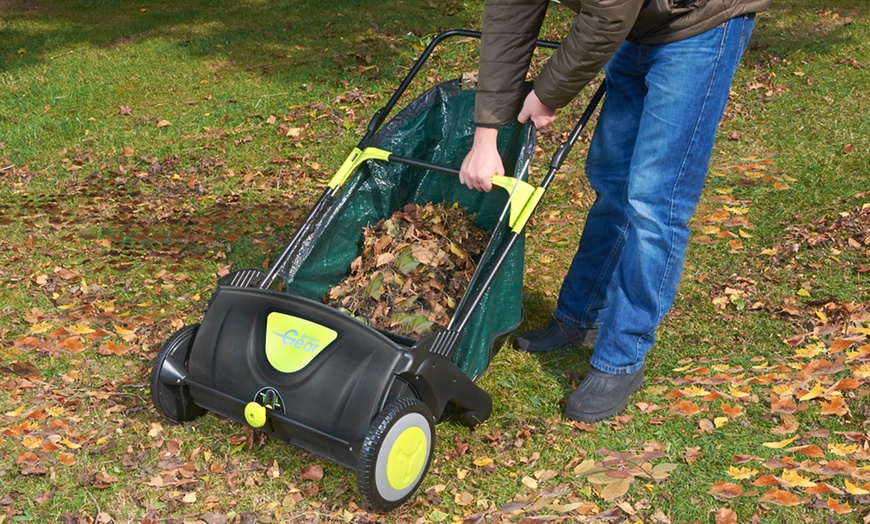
(510, 28)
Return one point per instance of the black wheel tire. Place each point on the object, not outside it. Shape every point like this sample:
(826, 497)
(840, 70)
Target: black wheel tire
(174, 401)
(396, 453)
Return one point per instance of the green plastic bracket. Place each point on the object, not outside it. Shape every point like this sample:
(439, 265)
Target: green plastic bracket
(353, 161)
(525, 199)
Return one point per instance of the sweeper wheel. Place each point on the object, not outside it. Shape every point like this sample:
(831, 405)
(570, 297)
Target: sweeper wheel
(170, 397)
(395, 454)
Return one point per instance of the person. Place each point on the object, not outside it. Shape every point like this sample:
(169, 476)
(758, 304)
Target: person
(668, 68)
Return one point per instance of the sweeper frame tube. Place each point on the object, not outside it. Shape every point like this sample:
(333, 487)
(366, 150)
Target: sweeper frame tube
(330, 196)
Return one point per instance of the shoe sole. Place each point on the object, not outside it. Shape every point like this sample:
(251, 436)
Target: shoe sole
(581, 416)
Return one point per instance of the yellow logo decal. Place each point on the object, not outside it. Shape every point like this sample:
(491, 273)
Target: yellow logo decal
(293, 342)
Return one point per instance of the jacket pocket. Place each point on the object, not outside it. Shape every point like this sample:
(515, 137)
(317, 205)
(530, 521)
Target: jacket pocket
(670, 7)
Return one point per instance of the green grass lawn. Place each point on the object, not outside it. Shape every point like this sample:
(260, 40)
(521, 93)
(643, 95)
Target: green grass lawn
(146, 148)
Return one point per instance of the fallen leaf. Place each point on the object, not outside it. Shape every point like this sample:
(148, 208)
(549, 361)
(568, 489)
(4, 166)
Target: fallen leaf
(482, 461)
(813, 393)
(725, 490)
(313, 472)
(725, 516)
(614, 489)
(741, 473)
(837, 507)
(766, 480)
(782, 498)
(852, 489)
(835, 407)
(796, 479)
(732, 412)
(779, 445)
(811, 451)
(843, 450)
(821, 488)
(687, 407)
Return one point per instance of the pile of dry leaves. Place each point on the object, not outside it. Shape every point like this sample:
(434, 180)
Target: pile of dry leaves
(413, 269)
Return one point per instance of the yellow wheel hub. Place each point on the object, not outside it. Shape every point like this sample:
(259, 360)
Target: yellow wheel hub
(407, 458)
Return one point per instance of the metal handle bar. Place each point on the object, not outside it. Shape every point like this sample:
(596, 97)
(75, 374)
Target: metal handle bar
(381, 114)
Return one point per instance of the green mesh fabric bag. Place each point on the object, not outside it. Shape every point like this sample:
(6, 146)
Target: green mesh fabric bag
(436, 127)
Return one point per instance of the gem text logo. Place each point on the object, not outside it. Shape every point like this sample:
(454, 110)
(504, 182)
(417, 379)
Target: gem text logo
(304, 342)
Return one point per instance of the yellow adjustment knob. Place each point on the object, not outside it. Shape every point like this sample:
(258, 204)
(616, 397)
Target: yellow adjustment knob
(255, 414)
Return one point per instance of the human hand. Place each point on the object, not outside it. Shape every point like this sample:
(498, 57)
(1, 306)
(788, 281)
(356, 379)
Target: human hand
(483, 161)
(539, 113)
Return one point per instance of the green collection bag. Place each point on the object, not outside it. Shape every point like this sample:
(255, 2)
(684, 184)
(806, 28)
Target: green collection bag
(436, 127)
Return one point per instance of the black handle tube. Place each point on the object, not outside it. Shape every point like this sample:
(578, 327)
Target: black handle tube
(291, 250)
(461, 319)
(413, 162)
(566, 146)
(381, 114)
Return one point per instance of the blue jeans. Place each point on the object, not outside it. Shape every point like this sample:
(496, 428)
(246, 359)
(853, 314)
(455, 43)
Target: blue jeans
(647, 164)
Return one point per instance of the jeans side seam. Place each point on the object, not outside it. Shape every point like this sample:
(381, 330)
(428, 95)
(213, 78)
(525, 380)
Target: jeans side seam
(671, 210)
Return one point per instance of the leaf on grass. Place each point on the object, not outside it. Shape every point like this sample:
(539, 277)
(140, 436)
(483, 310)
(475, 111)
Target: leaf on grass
(844, 384)
(782, 498)
(766, 480)
(813, 393)
(820, 367)
(725, 490)
(840, 345)
(463, 499)
(687, 407)
(581, 508)
(615, 489)
(835, 407)
(66, 459)
(482, 461)
(810, 450)
(843, 450)
(739, 393)
(821, 488)
(837, 507)
(732, 412)
(779, 445)
(695, 391)
(312, 472)
(838, 467)
(725, 516)
(852, 489)
(741, 473)
(793, 478)
(780, 405)
(31, 442)
(73, 344)
(661, 471)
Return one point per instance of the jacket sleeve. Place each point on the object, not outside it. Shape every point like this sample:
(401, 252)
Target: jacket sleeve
(510, 29)
(598, 30)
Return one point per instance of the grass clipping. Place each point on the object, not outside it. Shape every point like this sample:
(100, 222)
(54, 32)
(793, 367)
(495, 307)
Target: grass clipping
(413, 269)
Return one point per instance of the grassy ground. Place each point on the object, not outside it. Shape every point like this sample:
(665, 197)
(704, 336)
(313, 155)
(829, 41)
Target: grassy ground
(146, 148)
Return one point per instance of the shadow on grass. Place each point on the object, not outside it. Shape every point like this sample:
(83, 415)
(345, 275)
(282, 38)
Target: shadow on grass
(567, 365)
(268, 35)
(790, 28)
